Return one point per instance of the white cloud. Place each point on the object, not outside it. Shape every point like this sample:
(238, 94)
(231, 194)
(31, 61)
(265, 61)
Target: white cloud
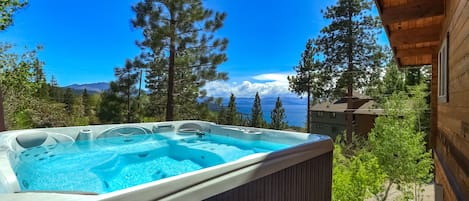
(270, 84)
(278, 77)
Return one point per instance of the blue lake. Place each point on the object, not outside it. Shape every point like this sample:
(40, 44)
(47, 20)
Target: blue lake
(295, 108)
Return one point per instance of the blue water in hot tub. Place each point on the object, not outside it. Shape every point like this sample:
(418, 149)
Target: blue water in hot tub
(109, 164)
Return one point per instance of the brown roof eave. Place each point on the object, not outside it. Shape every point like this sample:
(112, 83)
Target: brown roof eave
(379, 6)
(412, 46)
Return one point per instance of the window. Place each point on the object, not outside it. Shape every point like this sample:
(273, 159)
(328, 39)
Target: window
(443, 72)
(319, 114)
(332, 115)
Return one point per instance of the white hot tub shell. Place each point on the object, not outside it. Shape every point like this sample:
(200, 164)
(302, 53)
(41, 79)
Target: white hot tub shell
(300, 172)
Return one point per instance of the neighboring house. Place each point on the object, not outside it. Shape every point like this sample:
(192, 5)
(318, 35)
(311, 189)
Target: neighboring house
(330, 119)
(436, 32)
(365, 117)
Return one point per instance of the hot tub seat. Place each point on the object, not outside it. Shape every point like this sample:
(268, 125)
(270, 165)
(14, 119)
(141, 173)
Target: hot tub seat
(124, 131)
(38, 138)
(192, 129)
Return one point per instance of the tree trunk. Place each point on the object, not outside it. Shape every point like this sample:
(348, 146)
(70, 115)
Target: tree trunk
(2, 118)
(349, 113)
(171, 71)
(128, 101)
(138, 96)
(349, 77)
(386, 192)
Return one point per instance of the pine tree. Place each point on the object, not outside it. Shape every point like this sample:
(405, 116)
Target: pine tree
(156, 83)
(68, 101)
(179, 48)
(186, 104)
(375, 81)
(94, 103)
(39, 79)
(221, 114)
(221, 117)
(348, 46)
(53, 90)
(244, 120)
(415, 76)
(393, 81)
(112, 106)
(85, 98)
(257, 119)
(311, 78)
(127, 79)
(278, 116)
(232, 116)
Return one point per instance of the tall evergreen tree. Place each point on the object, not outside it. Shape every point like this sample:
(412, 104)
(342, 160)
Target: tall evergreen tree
(54, 91)
(311, 79)
(374, 80)
(112, 106)
(348, 46)
(393, 81)
(85, 98)
(277, 116)
(179, 46)
(244, 119)
(415, 76)
(257, 119)
(187, 89)
(127, 79)
(221, 117)
(68, 100)
(39, 79)
(232, 116)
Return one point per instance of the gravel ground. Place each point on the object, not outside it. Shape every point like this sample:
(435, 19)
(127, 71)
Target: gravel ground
(428, 194)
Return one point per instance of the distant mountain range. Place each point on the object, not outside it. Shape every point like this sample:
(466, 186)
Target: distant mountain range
(91, 88)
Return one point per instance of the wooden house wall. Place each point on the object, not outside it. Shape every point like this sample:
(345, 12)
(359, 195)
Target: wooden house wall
(327, 125)
(451, 144)
(364, 123)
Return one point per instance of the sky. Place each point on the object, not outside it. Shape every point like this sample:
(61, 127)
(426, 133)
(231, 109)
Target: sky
(84, 40)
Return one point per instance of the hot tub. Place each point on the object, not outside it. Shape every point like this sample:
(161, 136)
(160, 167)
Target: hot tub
(180, 160)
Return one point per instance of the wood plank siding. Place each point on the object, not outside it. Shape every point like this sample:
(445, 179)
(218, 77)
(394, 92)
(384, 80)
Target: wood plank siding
(452, 141)
(364, 124)
(450, 119)
(310, 180)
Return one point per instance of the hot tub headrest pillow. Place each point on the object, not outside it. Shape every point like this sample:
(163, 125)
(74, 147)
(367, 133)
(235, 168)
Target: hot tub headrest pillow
(31, 140)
